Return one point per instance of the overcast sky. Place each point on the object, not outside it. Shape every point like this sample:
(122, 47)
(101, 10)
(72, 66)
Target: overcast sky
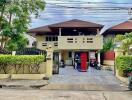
(106, 12)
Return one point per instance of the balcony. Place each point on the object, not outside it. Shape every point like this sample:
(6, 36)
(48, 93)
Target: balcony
(80, 42)
(44, 44)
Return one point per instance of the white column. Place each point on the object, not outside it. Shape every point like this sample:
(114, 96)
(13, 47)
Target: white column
(99, 58)
(59, 56)
(49, 61)
(59, 31)
(97, 31)
(13, 52)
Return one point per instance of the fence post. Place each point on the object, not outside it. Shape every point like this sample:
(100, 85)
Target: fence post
(13, 52)
(49, 61)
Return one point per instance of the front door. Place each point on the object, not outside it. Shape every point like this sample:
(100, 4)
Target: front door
(83, 58)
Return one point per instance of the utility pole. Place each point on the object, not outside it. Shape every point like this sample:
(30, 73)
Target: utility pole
(130, 11)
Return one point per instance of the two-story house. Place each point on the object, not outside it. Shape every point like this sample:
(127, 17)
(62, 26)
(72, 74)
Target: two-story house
(71, 37)
(119, 29)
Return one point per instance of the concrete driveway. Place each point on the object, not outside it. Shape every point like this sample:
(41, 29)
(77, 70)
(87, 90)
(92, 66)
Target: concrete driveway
(71, 79)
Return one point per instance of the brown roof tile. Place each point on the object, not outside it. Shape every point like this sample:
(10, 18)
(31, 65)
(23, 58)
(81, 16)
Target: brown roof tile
(40, 29)
(77, 23)
(70, 23)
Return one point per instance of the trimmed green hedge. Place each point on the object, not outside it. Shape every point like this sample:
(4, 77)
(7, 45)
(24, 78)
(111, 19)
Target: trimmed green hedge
(19, 61)
(124, 63)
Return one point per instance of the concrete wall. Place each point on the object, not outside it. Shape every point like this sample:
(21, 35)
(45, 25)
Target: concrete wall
(24, 73)
(109, 62)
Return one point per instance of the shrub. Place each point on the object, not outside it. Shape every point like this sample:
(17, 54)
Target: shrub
(124, 63)
(7, 62)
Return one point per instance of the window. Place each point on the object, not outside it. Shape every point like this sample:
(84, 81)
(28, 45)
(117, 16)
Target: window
(51, 38)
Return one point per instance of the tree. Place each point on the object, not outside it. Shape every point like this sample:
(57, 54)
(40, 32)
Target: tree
(17, 42)
(126, 41)
(108, 44)
(15, 17)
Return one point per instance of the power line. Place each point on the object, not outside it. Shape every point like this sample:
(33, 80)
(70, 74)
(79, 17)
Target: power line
(84, 2)
(93, 8)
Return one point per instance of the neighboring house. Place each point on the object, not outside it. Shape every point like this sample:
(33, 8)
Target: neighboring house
(31, 41)
(121, 28)
(69, 38)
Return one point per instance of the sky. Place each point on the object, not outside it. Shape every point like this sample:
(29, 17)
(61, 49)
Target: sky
(106, 12)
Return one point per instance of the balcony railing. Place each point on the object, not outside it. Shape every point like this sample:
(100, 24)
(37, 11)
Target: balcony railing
(80, 42)
(44, 44)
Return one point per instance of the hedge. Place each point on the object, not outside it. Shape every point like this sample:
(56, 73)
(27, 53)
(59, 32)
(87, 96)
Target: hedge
(123, 63)
(18, 61)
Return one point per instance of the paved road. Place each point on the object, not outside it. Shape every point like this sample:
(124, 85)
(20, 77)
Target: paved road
(12, 94)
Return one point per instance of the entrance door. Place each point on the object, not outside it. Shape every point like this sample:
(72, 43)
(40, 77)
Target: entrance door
(83, 58)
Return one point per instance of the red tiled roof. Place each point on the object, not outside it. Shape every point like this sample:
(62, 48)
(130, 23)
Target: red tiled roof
(127, 25)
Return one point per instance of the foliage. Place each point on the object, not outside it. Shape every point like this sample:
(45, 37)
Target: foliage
(108, 44)
(123, 63)
(56, 62)
(15, 16)
(16, 42)
(126, 41)
(119, 37)
(7, 62)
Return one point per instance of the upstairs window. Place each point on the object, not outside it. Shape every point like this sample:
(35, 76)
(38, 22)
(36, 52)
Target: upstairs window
(51, 38)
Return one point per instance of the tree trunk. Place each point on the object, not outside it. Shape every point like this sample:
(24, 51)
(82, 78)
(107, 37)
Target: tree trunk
(1, 16)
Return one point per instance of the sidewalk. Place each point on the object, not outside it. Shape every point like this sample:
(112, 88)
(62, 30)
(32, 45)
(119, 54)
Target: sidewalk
(23, 84)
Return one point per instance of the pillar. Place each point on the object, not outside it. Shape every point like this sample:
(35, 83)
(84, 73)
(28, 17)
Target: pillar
(59, 31)
(99, 58)
(49, 61)
(118, 52)
(13, 52)
(60, 56)
(97, 31)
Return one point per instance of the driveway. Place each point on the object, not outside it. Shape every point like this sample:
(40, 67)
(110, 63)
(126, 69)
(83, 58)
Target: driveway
(71, 79)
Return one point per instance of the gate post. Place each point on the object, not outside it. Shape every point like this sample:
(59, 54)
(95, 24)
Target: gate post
(49, 61)
(118, 52)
